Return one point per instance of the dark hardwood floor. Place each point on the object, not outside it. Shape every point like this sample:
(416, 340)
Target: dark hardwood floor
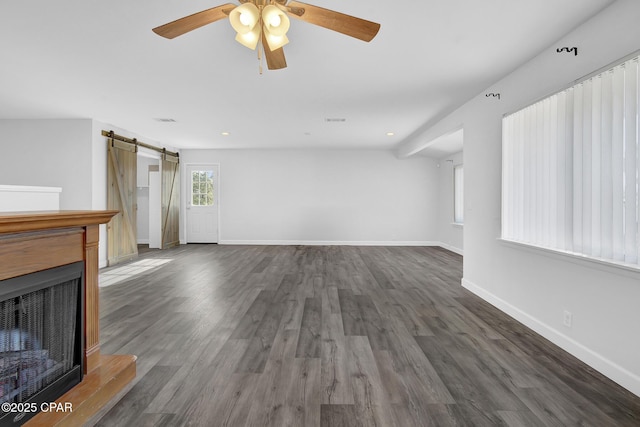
(336, 336)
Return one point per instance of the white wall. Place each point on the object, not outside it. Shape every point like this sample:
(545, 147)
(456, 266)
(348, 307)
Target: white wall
(50, 153)
(316, 196)
(449, 235)
(66, 153)
(533, 286)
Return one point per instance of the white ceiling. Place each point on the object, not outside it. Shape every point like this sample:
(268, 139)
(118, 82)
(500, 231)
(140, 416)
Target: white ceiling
(100, 60)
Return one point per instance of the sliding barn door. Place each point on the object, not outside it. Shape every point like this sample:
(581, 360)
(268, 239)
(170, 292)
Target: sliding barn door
(122, 243)
(170, 202)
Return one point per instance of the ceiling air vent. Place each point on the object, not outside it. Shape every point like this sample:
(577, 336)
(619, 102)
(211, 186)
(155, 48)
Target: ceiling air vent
(335, 119)
(165, 120)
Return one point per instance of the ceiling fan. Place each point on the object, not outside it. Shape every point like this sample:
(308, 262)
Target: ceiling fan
(265, 23)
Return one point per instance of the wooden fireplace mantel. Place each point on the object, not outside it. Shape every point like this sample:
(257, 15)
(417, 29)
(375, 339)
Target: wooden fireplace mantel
(36, 241)
(15, 222)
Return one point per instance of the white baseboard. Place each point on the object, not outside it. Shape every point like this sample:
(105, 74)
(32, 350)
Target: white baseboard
(451, 248)
(615, 372)
(343, 243)
(328, 243)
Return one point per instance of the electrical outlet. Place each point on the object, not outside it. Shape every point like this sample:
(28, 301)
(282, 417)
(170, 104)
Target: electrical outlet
(567, 318)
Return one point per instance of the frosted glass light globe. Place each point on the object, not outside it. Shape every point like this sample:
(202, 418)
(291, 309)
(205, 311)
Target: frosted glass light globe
(245, 19)
(275, 20)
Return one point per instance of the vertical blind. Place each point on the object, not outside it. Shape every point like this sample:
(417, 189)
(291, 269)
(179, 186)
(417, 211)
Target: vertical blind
(570, 168)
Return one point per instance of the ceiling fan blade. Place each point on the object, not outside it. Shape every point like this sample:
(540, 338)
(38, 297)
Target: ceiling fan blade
(275, 59)
(336, 21)
(195, 21)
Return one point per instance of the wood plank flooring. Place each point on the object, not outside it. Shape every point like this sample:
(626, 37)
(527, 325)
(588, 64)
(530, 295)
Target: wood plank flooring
(336, 336)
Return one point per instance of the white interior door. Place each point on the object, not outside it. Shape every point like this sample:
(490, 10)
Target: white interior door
(202, 204)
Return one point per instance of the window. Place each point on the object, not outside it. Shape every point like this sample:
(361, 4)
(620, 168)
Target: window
(570, 168)
(458, 194)
(202, 188)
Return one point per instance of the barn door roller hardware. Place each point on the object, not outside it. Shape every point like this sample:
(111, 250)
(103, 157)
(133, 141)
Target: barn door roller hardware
(166, 154)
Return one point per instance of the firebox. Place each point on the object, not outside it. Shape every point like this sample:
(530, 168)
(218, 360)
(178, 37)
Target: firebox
(41, 339)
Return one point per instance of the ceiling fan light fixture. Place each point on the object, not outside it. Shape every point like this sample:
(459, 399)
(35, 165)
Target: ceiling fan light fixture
(244, 18)
(275, 42)
(276, 22)
(266, 22)
(249, 39)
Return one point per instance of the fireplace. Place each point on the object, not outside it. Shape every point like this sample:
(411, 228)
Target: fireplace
(40, 339)
(63, 246)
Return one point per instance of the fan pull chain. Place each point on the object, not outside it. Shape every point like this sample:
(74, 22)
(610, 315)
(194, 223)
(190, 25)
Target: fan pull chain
(259, 49)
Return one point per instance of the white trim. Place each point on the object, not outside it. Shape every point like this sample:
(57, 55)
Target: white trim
(342, 243)
(30, 189)
(330, 242)
(451, 248)
(458, 224)
(615, 372)
(609, 266)
(187, 192)
(143, 241)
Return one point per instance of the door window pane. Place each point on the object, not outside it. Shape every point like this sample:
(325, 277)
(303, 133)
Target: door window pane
(202, 188)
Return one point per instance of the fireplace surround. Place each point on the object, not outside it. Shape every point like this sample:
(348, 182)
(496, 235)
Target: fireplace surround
(32, 242)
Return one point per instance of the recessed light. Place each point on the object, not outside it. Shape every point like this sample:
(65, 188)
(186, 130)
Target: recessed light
(390, 133)
(225, 133)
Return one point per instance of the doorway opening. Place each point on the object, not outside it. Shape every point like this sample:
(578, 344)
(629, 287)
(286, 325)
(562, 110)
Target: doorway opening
(141, 176)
